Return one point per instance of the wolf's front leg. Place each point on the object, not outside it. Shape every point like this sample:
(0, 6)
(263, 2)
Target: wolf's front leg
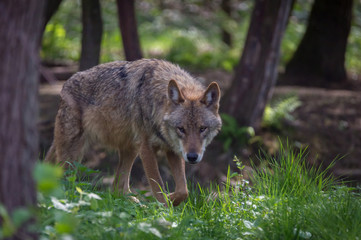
(177, 167)
(150, 165)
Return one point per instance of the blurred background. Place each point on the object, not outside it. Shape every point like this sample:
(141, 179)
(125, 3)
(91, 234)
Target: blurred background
(288, 70)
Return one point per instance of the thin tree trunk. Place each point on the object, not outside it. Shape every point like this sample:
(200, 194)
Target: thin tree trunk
(51, 6)
(20, 22)
(320, 57)
(91, 34)
(128, 27)
(226, 8)
(256, 74)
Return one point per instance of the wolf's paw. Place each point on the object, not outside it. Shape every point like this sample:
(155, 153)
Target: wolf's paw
(177, 197)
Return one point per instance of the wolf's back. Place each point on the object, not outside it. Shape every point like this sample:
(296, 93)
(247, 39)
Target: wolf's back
(128, 79)
(134, 92)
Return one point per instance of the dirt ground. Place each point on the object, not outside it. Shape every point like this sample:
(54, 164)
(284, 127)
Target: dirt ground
(328, 121)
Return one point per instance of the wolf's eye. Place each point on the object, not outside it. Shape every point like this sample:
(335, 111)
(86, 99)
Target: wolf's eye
(181, 130)
(202, 129)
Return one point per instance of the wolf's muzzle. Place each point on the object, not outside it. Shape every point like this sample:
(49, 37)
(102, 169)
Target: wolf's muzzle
(192, 158)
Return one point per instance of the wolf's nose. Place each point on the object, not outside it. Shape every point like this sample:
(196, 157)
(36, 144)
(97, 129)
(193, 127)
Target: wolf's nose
(192, 157)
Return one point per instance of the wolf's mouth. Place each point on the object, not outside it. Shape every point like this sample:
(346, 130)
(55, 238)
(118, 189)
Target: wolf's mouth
(192, 157)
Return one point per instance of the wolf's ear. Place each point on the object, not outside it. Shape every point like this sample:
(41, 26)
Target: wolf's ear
(174, 94)
(211, 95)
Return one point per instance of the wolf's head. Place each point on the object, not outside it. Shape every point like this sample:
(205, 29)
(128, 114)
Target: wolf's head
(192, 122)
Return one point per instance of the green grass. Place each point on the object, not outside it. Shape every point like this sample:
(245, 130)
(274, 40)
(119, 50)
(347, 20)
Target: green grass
(288, 199)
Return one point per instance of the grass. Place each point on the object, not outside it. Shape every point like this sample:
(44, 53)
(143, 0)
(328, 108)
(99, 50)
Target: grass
(288, 199)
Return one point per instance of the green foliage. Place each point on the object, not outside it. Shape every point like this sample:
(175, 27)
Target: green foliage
(163, 33)
(232, 134)
(61, 39)
(289, 199)
(57, 45)
(278, 111)
(195, 52)
(168, 34)
(47, 179)
(10, 223)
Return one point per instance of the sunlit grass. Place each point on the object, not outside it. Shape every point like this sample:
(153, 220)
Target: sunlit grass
(290, 174)
(288, 199)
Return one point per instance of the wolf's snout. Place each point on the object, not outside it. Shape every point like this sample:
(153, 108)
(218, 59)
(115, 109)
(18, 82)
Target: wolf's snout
(192, 157)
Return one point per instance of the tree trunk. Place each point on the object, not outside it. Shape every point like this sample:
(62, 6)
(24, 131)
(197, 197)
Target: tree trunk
(51, 6)
(320, 57)
(20, 22)
(256, 74)
(128, 27)
(91, 34)
(226, 8)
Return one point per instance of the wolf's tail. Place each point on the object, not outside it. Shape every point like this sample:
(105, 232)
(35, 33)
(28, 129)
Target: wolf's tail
(50, 155)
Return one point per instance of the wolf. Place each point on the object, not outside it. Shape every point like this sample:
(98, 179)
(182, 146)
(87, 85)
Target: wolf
(138, 108)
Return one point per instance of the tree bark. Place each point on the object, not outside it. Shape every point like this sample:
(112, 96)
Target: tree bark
(91, 34)
(51, 6)
(256, 73)
(320, 57)
(128, 27)
(226, 8)
(20, 22)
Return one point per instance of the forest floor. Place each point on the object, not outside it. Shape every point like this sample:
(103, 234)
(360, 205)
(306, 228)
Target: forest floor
(328, 122)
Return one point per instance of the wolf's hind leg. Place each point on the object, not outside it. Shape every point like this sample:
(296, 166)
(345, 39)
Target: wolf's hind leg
(126, 160)
(68, 135)
(69, 152)
(177, 167)
(50, 156)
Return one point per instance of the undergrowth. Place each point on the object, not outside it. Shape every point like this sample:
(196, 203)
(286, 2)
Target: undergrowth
(279, 111)
(286, 199)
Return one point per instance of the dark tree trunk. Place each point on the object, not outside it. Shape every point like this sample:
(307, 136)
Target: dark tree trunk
(51, 6)
(20, 22)
(226, 8)
(91, 34)
(256, 74)
(320, 56)
(128, 27)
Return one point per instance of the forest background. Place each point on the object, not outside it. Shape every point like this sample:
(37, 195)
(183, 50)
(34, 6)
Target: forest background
(289, 71)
